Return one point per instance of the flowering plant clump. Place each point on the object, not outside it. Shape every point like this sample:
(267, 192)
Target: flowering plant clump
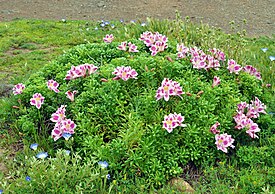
(172, 121)
(124, 73)
(169, 88)
(53, 85)
(224, 141)
(80, 71)
(132, 47)
(37, 100)
(214, 130)
(108, 38)
(18, 89)
(155, 41)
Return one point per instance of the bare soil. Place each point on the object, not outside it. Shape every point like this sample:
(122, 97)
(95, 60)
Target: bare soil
(260, 14)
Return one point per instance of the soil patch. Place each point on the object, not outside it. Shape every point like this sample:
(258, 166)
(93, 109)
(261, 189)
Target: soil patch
(259, 14)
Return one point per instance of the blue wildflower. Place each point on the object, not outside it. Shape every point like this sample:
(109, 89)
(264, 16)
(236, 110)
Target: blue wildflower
(103, 164)
(28, 178)
(66, 136)
(121, 21)
(133, 21)
(42, 155)
(102, 25)
(96, 28)
(272, 58)
(67, 152)
(112, 26)
(106, 23)
(1, 191)
(34, 146)
(108, 176)
(264, 49)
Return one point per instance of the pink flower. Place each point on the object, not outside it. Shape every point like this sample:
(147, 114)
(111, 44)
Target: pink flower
(214, 130)
(56, 132)
(224, 141)
(37, 100)
(59, 115)
(242, 106)
(218, 54)
(80, 71)
(108, 38)
(172, 121)
(252, 128)
(122, 46)
(233, 67)
(168, 88)
(70, 94)
(241, 120)
(182, 51)
(124, 73)
(252, 71)
(68, 126)
(18, 89)
(132, 48)
(216, 81)
(259, 106)
(53, 85)
(157, 42)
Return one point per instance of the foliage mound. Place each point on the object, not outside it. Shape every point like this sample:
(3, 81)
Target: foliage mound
(121, 122)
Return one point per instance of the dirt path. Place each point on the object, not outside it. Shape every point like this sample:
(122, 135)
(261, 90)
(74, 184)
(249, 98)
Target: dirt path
(260, 14)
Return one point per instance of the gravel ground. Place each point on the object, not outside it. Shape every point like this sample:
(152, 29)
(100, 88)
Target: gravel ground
(260, 14)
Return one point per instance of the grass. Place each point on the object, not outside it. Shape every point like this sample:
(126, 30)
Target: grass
(27, 45)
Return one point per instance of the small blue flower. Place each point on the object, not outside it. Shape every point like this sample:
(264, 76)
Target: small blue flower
(107, 23)
(121, 21)
(42, 155)
(112, 26)
(108, 176)
(96, 28)
(272, 58)
(102, 25)
(67, 152)
(264, 49)
(66, 136)
(34, 146)
(103, 164)
(28, 178)
(143, 24)
(133, 21)
(1, 191)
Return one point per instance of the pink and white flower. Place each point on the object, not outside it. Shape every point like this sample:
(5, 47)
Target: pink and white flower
(80, 71)
(53, 85)
(217, 54)
(124, 73)
(172, 121)
(108, 38)
(18, 89)
(224, 141)
(233, 67)
(214, 127)
(182, 51)
(70, 94)
(37, 100)
(68, 126)
(216, 81)
(252, 71)
(252, 128)
(122, 46)
(59, 115)
(132, 48)
(156, 41)
(168, 88)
